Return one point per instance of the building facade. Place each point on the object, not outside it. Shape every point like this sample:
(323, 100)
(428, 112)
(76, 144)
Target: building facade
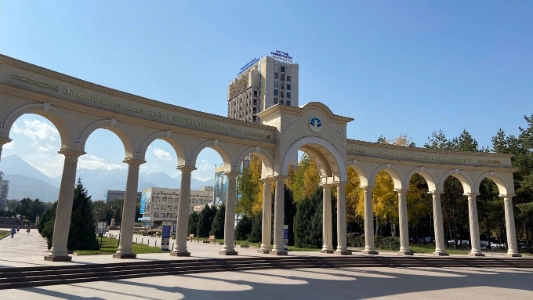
(263, 83)
(161, 205)
(4, 191)
(115, 195)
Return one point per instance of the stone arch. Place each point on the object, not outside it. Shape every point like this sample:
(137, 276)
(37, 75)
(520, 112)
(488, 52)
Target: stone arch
(501, 183)
(393, 172)
(266, 158)
(223, 151)
(175, 141)
(66, 130)
(465, 180)
(363, 173)
(123, 133)
(430, 178)
(334, 164)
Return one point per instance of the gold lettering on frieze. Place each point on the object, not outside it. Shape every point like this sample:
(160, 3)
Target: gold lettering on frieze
(357, 150)
(160, 115)
(421, 156)
(37, 83)
(488, 161)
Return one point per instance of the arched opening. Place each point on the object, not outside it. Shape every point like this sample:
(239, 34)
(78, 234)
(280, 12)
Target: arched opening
(455, 213)
(491, 215)
(420, 211)
(30, 167)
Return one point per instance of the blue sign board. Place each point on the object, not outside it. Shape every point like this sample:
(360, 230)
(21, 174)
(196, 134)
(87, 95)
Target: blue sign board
(283, 56)
(248, 65)
(165, 235)
(145, 198)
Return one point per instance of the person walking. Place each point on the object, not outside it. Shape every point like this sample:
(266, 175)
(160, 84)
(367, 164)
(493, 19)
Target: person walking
(28, 231)
(13, 231)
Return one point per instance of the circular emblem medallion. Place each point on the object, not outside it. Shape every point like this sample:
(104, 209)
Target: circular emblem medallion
(315, 124)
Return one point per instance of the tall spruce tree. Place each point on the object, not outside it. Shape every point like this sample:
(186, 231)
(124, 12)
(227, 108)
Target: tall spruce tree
(205, 221)
(193, 222)
(217, 227)
(82, 235)
(308, 222)
(243, 229)
(257, 229)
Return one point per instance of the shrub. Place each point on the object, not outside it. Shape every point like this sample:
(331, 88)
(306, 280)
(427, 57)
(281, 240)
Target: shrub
(355, 240)
(257, 229)
(244, 228)
(391, 243)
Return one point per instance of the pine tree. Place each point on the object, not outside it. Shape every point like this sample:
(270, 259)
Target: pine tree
(257, 229)
(217, 229)
(243, 229)
(82, 226)
(193, 222)
(204, 222)
(308, 222)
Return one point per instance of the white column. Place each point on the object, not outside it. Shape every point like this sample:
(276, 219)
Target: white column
(327, 227)
(2, 142)
(279, 216)
(341, 220)
(510, 227)
(182, 220)
(125, 249)
(438, 226)
(404, 225)
(229, 221)
(59, 251)
(267, 217)
(474, 225)
(369, 222)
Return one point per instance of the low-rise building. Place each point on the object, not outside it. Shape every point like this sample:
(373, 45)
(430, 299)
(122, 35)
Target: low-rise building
(115, 195)
(161, 205)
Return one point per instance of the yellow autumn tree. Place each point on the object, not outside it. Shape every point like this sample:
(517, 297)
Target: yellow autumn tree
(251, 188)
(304, 179)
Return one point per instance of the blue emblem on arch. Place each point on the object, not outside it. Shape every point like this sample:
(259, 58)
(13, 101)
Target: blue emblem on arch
(315, 122)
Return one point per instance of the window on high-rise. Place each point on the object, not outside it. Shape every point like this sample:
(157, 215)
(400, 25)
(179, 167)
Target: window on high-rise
(275, 92)
(275, 75)
(275, 84)
(255, 93)
(282, 86)
(275, 100)
(282, 94)
(288, 102)
(288, 78)
(289, 95)
(288, 85)
(282, 77)
(282, 69)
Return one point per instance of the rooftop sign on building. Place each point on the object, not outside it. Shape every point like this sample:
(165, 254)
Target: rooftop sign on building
(248, 65)
(282, 56)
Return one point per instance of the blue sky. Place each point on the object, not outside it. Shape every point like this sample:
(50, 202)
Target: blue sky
(396, 67)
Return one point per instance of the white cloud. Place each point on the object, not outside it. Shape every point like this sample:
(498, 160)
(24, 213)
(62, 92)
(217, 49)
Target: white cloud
(43, 135)
(203, 178)
(93, 162)
(162, 154)
(9, 145)
(205, 166)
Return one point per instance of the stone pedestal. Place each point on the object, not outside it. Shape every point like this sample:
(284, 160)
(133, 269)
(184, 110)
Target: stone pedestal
(475, 254)
(327, 251)
(125, 255)
(57, 258)
(345, 252)
(440, 254)
(263, 251)
(405, 253)
(370, 252)
(228, 252)
(175, 253)
(276, 252)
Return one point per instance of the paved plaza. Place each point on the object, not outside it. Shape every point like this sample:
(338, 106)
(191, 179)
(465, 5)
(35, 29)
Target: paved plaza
(320, 283)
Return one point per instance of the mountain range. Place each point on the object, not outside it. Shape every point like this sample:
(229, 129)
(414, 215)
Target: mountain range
(27, 181)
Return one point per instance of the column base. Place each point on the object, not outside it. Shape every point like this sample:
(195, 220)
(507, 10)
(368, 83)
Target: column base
(275, 252)
(405, 252)
(327, 251)
(513, 255)
(370, 252)
(57, 258)
(228, 252)
(176, 253)
(440, 254)
(475, 254)
(345, 252)
(124, 255)
(263, 251)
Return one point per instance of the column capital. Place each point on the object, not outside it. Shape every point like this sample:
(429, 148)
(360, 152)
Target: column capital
(267, 180)
(186, 169)
(436, 192)
(71, 153)
(4, 140)
(471, 195)
(327, 185)
(507, 197)
(232, 175)
(133, 162)
(340, 184)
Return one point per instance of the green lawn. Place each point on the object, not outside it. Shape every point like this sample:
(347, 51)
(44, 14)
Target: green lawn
(109, 246)
(431, 249)
(3, 233)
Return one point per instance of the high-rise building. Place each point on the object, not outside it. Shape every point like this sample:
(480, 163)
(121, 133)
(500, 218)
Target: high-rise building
(263, 83)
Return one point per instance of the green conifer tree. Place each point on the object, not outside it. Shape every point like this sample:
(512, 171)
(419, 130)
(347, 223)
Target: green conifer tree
(243, 229)
(217, 229)
(82, 234)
